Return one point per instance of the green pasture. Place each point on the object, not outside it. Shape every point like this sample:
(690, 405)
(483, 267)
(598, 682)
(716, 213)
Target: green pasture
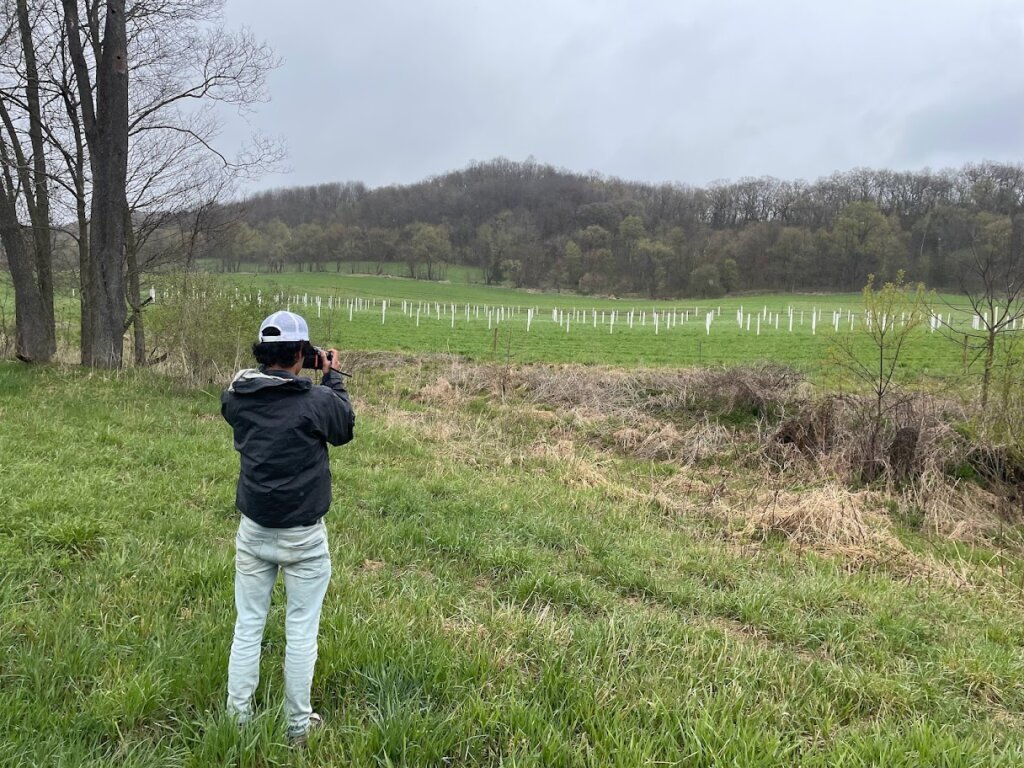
(546, 341)
(684, 342)
(454, 273)
(397, 288)
(491, 604)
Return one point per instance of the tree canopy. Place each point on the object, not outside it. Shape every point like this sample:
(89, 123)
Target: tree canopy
(539, 226)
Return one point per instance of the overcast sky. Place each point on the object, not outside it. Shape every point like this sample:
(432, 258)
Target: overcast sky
(393, 91)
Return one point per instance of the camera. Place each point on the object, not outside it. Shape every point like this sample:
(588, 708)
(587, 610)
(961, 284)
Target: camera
(313, 357)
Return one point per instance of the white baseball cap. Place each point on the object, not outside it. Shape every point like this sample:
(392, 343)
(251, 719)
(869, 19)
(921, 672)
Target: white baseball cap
(284, 326)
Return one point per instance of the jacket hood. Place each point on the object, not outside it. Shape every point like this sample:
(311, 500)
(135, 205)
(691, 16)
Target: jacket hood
(251, 380)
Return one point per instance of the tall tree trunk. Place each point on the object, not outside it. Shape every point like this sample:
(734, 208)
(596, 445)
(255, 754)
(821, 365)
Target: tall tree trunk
(34, 339)
(31, 267)
(106, 133)
(109, 202)
(39, 200)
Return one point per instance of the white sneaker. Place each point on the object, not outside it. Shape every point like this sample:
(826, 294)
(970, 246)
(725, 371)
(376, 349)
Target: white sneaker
(299, 739)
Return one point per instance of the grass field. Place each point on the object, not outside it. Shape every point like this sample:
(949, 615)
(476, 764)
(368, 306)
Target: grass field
(461, 292)
(455, 273)
(506, 591)
(681, 343)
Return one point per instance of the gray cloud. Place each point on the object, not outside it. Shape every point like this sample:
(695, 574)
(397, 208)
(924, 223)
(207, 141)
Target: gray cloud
(981, 126)
(656, 90)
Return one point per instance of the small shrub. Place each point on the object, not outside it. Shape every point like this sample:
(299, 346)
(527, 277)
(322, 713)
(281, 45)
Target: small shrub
(202, 331)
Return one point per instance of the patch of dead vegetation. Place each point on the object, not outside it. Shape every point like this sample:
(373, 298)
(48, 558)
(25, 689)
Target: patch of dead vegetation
(579, 415)
(657, 393)
(689, 493)
(831, 518)
(354, 361)
(440, 393)
(559, 450)
(842, 435)
(835, 521)
(955, 509)
(663, 441)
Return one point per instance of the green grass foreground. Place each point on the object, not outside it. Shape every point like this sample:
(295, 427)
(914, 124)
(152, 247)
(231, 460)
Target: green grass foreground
(489, 606)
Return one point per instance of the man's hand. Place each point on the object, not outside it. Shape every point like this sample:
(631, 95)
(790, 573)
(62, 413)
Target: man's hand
(330, 361)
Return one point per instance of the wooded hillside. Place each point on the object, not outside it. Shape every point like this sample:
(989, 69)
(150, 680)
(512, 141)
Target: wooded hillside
(533, 225)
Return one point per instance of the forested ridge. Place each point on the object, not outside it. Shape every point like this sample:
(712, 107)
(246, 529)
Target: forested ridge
(533, 225)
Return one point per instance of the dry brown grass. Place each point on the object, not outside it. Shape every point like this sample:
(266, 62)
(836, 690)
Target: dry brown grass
(836, 434)
(441, 392)
(662, 415)
(657, 393)
(844, 524)
(830, 518)
(355, 361)
(955, 509)
(662, 441)
(580, 417)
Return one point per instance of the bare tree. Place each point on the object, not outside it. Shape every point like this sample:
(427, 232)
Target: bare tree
(25, 183)
(103, 104)
(991, 278)
(167, 226)
(872, 355)
(177, 171)
(180, 62)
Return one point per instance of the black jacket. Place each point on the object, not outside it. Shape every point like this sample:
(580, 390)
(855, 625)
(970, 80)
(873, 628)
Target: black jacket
(282, 425)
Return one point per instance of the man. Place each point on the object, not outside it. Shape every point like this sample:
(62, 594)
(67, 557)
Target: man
(282, 425)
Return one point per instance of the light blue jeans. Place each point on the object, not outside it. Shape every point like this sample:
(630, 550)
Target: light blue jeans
(303, 556)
